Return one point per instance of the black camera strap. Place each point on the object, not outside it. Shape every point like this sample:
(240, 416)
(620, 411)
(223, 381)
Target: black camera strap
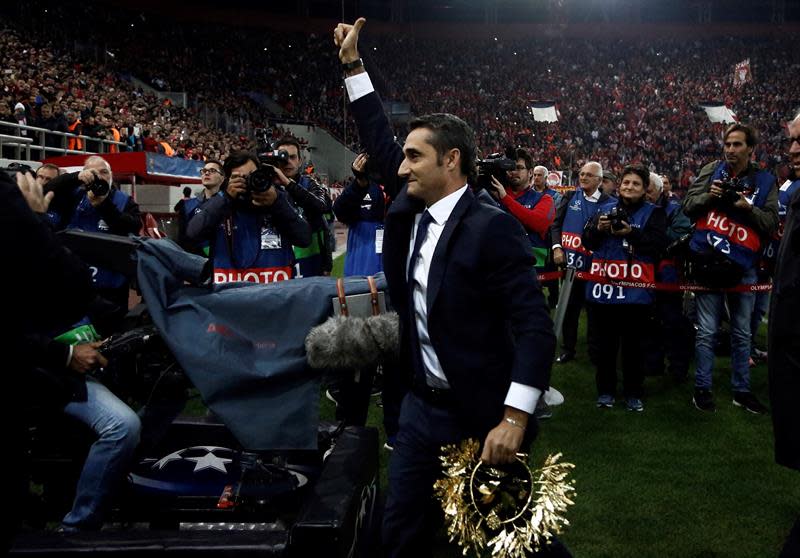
(229, 239)
(228, 227)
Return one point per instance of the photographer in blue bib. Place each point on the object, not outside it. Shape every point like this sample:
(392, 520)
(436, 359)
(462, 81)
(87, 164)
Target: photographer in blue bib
(252, 226)
(734, 207)
(89, 200)
(627, 236)
(313, 202)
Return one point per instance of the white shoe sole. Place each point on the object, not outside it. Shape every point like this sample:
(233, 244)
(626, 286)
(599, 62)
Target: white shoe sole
(553, 397)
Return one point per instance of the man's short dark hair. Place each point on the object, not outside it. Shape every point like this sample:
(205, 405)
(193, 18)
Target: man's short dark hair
(450, 132)
(236, 160)
(288, 140)
(523, 154)
(214, 162)
(640, 170)
(187, 192)
(750, 134)
(50, 166)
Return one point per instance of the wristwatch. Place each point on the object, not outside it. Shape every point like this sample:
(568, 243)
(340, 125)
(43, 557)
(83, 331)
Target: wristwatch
(353, 65)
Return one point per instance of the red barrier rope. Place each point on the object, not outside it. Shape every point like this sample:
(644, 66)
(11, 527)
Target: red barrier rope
(673, 287)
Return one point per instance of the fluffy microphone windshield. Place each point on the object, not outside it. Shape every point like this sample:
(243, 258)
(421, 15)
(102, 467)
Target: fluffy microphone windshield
(351, 342)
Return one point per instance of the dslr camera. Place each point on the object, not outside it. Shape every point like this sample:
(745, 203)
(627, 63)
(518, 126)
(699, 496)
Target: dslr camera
(618, 217)
(13, 168)
(98, 186)
(261, 179)
(495, 165)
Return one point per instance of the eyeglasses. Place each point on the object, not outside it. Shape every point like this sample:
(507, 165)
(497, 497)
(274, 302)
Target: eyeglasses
(209, 171)
(789, 140)
(588, 175)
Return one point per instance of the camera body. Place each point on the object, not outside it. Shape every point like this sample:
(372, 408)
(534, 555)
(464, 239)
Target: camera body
(731, 188)
(98, 187)
(262, 179)
(495, 165)
(13, 168)
(618, 217)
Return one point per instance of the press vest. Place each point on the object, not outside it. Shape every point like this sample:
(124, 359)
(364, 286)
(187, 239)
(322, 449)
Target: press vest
(541, 246)
(309, 261)
(87, 218)
(720, 232)
(785, 193)
(578, 213)
(365, 236)
(615, 259)
(190, 208)
(249, 248)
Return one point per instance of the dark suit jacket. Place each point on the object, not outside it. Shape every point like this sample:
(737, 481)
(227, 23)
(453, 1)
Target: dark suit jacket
(47, 289)
(487, 318)
(784, 331)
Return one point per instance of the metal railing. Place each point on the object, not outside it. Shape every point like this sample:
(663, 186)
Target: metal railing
(40, 143)
(19, 144)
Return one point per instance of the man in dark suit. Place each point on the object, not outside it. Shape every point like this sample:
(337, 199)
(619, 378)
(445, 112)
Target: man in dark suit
(477, 339)
(784, 329)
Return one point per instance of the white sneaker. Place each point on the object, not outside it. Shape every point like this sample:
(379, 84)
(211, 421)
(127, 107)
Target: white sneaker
(553, 397)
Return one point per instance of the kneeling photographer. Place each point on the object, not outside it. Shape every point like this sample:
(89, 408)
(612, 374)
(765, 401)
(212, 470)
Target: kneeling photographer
(734, 206)
(627, 237)
(252, 227)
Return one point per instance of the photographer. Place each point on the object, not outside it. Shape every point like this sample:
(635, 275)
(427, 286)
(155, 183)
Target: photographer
(627, 236)
(734, 206)
(533, 209)
(314, 202)
(362, 206)
(540, 185)
(89, 200)
(252, 226)
(673, 333)
(211, 177)
(574, 212)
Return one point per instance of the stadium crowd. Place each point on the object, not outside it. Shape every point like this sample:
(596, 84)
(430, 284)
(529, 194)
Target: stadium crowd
(629, 116)
(620, 101)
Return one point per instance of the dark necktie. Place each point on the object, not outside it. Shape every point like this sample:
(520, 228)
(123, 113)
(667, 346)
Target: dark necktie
(422, 232)
(416, 351)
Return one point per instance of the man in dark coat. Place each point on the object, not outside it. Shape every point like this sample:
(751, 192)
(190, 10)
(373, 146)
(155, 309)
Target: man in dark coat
(784, 331)
(51, 291)
(477, 339)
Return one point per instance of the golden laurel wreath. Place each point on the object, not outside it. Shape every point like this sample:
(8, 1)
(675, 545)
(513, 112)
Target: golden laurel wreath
(510, 510)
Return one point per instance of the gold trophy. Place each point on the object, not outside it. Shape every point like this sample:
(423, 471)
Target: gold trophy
(510, 510)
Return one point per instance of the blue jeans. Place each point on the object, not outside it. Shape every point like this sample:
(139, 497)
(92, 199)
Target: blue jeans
(760, 308)
(118, 429)
(710, 309)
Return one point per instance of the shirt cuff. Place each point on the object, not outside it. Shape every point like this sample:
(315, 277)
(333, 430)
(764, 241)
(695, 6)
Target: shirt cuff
(523, 397)
(554, 246)
(358, 86)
